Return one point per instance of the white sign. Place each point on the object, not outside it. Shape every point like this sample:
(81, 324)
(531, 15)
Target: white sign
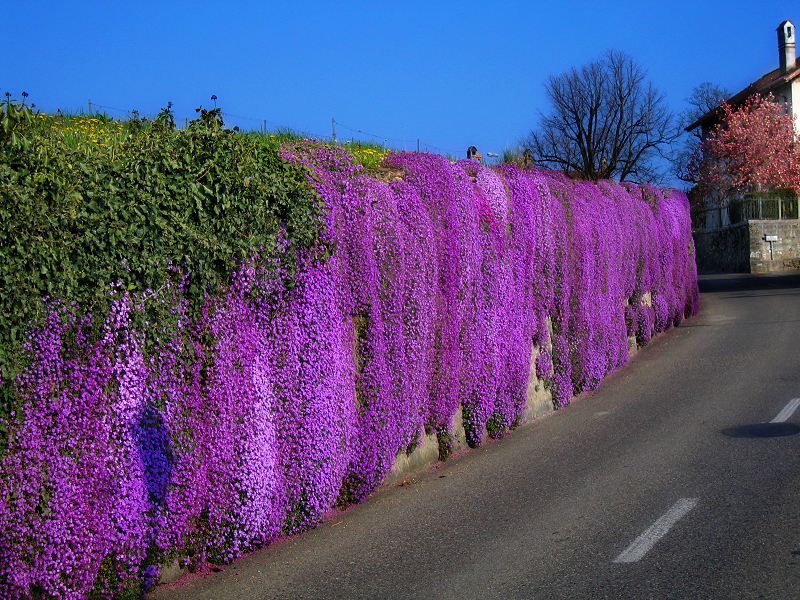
(771, 237)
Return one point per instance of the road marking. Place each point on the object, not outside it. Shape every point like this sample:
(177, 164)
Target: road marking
(787, 411)
(642, 544)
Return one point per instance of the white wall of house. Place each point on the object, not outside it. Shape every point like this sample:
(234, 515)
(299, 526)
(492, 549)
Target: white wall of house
(789, 94)
(795, 101)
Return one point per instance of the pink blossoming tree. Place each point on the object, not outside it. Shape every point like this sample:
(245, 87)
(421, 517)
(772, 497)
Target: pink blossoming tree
(753, 147)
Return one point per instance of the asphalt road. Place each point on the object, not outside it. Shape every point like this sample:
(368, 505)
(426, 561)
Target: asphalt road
(669, 481)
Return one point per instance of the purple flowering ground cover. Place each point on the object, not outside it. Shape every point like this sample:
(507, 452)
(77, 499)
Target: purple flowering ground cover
(253, 418)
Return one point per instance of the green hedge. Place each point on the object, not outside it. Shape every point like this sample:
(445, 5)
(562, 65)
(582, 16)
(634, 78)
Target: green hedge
(77, 218)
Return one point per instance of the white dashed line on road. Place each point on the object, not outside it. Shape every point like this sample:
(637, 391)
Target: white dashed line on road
(787, 411)
(642, 544)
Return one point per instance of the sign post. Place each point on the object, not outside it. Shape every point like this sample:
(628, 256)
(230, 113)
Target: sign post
(771, 238)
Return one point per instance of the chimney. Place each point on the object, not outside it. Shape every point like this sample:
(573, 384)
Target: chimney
(786, 48)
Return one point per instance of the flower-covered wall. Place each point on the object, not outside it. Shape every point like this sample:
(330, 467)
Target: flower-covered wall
(254, 417)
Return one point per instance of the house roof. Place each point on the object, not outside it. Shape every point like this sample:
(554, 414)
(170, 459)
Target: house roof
(763, 86)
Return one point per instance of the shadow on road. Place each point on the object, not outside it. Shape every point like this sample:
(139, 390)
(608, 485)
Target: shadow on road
(762, 430)
(737, 282)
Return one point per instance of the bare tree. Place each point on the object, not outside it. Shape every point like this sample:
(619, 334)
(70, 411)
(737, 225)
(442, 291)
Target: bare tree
(605, 122)
(705, 97)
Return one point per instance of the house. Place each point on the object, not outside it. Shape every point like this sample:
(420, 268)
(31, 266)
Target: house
(783, 83)
(758, 234)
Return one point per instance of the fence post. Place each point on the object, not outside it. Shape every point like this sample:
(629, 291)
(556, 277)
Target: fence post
(333, 123)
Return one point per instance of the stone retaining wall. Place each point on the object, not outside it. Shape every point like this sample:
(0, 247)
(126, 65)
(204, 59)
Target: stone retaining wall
(743, 248)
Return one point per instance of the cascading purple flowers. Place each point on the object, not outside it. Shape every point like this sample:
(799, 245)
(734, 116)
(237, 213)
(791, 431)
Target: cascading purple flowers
(254, 417)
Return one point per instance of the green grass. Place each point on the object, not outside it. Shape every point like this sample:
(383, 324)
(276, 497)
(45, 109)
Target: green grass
(101, 133)
(364, 153)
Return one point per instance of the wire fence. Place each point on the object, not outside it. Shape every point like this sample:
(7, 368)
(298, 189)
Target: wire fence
(355, 133)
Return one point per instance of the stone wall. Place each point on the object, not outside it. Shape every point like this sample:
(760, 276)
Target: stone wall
(743, 248)
(780, 255)
(725, 249)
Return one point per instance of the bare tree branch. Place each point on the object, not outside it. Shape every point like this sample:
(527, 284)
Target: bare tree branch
(605, 122)
(705, 97)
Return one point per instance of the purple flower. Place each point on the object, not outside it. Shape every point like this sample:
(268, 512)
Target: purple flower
(253, 417)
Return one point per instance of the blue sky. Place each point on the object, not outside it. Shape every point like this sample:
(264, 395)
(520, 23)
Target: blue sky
(450, 74)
